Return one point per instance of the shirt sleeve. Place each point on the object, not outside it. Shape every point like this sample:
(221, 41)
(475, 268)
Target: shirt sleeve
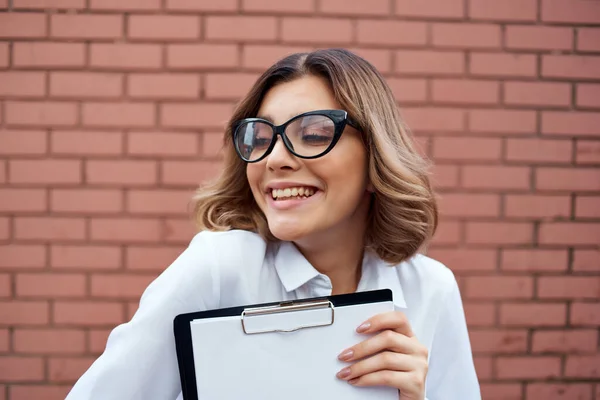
(451, 374)
(139, 361)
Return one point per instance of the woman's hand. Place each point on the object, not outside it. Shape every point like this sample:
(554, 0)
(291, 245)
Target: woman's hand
(394, 357)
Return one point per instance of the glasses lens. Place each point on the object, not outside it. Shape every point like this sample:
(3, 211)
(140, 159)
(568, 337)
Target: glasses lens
(252, 139)
(311, 135)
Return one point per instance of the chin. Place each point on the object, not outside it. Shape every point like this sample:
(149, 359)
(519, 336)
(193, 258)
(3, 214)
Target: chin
(288, 232)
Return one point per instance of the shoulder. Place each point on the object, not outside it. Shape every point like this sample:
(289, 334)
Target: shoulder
(428, 274)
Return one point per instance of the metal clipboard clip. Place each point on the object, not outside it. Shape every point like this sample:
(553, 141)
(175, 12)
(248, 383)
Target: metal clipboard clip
(286, 307)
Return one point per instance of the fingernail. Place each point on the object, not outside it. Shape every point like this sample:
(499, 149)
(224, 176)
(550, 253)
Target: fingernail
(353, 381)
(346, 355)
(344, 373)
(363, 327)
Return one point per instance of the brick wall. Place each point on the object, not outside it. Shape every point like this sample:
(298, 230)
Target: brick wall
(111, 113)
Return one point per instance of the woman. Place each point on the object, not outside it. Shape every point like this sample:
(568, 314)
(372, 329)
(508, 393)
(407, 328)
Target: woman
(322, 193)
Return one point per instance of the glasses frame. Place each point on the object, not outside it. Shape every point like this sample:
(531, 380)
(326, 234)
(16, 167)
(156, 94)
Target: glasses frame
(339, 117)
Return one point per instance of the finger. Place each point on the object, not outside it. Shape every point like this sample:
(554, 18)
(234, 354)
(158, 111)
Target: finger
(386, 360)
(406, 382)
(394, 320)
(386, 340)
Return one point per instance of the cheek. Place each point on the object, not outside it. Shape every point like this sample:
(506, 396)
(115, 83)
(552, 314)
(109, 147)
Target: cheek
(254, 176)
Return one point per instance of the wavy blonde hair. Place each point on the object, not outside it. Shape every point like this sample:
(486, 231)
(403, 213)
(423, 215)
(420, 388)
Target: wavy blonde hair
(403, 216)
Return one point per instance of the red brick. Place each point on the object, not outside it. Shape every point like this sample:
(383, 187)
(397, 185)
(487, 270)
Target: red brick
(503, 64)
(466, 148)
(5, 230)
(480, 313)
(49, 341)
(188, 172)
(537, 206)
(3, 179)
(528, 367)
(530, 37)
(121, 172)
(18, 312)
(97, 340)
(202, 5)
(429, 62)
(317, 30)
(566, 179)
(159, 202)
(511, 10)
(15, 200)
(163, 27)
(588, 95)
(5, 291)
(22, 256)
(465, 259)
(55, 285)
(444, 176)
(531, 314)
(194, 56)
(571, 11)
(21, 369)
(502, 121)
(571, 123)
(448, 232)
(158, 86)
(151, 258)
(586, 260)
(537, 93)
(125, 230)
(287, 7)
(387, 32)
(565, 341)
(118, 114)
(465, 91)
(501, 391)
(49, 4)
(341, 7)
(22, 84)
(240, 28)
(407, 90)
(262, 56)
(559, 391)
(179, 231)
(499, 287)
(430, 8)
(85, 257)
(484, 367)
(87, 313)
(88, 201)
(228, 85)
(85, 85)
(469, 205)
(4, 54)
(86, 142)
(466, 35)
(587, 39)
(132, 307)
(587, 207)
(129, 5)
(380, 58)
(50, 228)
(68, 369)
(495, 177)
(162, 143)
(22, 142)
(585, 314)
(4, 340)
(583, 366)
(534, 260)
(37, 391)
(570, 66)
(80, 26)
(22, 25)
(498, 341)
(125, 56)
(40, 113)
(195, 115)
(120, 286)
(539, 150)
(45, 171)
(47, 54)
(587, 152)
(568, 287)
(569, 233)
(212, 144)
(434, 120)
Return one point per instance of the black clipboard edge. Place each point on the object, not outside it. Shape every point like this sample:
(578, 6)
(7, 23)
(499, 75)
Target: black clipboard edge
(183, 333)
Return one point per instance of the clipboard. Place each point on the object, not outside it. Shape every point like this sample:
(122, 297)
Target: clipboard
(276, 350)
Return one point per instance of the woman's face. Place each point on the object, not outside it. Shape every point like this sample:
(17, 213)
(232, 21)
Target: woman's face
(338, 180)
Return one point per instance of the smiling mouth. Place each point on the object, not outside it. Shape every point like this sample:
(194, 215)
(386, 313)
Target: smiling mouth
(300, 192)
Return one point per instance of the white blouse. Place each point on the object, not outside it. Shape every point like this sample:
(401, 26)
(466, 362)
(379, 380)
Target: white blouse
(226, 269)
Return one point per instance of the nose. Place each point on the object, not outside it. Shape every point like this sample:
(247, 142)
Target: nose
(281, 158)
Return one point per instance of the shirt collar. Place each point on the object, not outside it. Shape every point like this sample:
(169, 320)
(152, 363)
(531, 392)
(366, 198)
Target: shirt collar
(294, 270)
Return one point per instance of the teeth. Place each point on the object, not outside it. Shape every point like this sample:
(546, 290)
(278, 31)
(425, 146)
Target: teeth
(292, 192)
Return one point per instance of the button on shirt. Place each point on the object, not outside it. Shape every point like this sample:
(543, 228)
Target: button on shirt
(234, 268)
